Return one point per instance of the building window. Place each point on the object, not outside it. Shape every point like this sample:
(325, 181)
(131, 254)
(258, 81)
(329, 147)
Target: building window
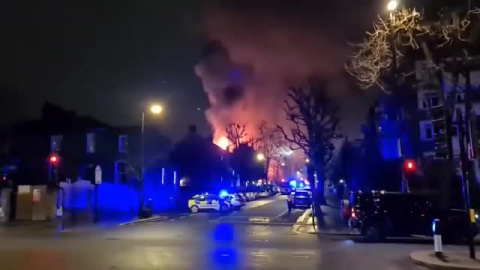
(56, 143)
(123, 143)
(121, 172)
(90, 143)
(428, 132)
(429, 102)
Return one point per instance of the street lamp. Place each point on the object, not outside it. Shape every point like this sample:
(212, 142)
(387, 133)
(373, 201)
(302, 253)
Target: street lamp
(260, 157)
(155, 109)
(307, 160)
(392, 5)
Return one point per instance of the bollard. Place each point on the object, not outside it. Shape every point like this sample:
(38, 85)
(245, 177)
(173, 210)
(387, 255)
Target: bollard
(437, 238)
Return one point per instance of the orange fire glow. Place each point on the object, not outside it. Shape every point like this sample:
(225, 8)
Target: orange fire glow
(223, 143)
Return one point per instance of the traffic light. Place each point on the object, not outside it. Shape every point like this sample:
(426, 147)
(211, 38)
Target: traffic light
(440, 134)
(54, 160)
(410, 165)
(409, 169)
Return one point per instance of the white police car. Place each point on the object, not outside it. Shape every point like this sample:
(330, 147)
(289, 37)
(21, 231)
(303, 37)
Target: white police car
(208, 202)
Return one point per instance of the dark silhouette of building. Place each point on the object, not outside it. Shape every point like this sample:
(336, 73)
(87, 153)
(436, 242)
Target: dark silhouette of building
(82, 143)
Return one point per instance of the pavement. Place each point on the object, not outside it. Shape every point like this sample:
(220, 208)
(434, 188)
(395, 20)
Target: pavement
(451, 259)
(202, 241)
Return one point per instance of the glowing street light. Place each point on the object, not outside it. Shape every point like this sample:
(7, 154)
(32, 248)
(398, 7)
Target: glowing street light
(392, 5)
(156, 109)
(307, 160)
(283, 164)
(260, 157)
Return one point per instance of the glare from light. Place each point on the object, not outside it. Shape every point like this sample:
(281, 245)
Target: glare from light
(392, 5)
(223, 143)
(341, 181)
(298, 172)
(260, 157)
(283, 164)
(223, 193)
(307, 160)
(156, 109)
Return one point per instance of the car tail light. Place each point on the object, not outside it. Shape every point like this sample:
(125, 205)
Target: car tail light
(353, 214)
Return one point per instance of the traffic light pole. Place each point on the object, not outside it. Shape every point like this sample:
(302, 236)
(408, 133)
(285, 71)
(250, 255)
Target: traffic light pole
(465, 181)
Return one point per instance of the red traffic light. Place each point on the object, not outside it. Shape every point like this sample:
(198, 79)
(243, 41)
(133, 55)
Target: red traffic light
(54, 159)
(410, 165)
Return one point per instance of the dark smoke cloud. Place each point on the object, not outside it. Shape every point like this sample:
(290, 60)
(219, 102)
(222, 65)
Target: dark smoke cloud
(260, 48)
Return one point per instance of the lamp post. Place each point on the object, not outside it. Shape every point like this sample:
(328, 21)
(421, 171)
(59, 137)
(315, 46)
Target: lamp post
(156, 110)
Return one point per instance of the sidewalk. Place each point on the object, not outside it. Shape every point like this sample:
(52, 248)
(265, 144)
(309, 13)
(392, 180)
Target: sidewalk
(332, 223)
(455, 260)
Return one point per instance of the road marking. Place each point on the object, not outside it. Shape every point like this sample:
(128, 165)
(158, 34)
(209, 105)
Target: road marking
(283, 213)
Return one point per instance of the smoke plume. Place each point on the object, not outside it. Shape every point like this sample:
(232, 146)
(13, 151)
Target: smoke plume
(258, 49)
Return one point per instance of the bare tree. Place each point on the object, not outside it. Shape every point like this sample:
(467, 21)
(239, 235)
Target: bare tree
(271, 143)
(313, 127)
(378, 59)
(236, 134)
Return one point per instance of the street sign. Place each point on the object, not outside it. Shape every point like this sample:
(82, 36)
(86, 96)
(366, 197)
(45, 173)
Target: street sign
(36, 195)
(98, 175)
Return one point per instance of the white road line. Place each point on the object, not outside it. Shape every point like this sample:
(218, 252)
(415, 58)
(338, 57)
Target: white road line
(283, 213)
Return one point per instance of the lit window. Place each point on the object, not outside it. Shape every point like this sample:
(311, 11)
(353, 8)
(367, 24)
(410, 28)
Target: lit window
(123, 143)
(90, 142)
(56, 143)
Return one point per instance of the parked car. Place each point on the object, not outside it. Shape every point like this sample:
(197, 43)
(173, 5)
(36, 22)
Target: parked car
(285, 190)
(300, 199)
(382, 214)
(242, 196)
(263, 193)
(236, 202)
(208, 202)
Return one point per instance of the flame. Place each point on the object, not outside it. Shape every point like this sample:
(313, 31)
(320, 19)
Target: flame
(223, 143)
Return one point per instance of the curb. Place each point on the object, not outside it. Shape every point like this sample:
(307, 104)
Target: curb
(143, 220)
(438, 266)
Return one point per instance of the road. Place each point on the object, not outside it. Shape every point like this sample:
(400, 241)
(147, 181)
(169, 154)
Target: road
(201, 241)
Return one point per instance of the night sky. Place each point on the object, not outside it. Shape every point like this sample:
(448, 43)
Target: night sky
(108, 59)
(102, 58)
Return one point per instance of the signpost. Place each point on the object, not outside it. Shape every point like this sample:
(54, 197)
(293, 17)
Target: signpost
(98, 175)
(98, 181)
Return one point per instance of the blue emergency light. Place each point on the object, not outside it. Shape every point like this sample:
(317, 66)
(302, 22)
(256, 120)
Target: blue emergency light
(223, 193)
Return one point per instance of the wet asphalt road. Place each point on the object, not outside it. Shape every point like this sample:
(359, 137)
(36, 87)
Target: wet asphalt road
(201, 241)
